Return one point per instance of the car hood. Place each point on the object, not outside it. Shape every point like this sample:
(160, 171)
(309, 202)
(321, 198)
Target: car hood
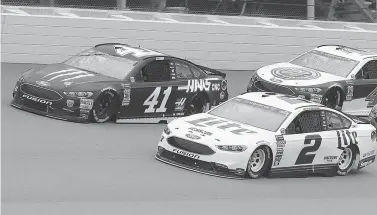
(208, 132)
(62, 76)
(292, 75)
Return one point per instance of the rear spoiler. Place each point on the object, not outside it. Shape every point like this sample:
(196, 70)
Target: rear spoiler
(210, 71)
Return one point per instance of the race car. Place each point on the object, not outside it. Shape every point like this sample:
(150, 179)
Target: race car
(337, 76)
(267, 134)
(119, 82)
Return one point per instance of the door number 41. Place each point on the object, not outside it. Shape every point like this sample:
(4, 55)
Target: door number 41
(152, 101)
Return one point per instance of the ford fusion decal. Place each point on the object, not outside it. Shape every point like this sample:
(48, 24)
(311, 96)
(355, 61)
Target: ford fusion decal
(293, 73)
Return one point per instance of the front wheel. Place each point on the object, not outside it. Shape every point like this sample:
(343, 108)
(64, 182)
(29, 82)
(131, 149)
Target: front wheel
(333, 99)
(258, 162)
(346, 161)
(103, 107)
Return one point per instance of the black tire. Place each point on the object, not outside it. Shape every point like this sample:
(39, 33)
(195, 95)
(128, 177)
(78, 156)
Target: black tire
(255, 158)
(198, 104)
(103, 107)
(333, 99)
(346, 161)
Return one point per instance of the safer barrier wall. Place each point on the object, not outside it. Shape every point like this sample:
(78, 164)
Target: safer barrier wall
(49, 39)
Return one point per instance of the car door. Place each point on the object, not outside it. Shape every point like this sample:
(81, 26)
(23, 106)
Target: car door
(364, 89)
(155, 93)
(307, 142)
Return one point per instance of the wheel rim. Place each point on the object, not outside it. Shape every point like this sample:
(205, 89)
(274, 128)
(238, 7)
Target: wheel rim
(257, 160)
(345, 159)
(102, 106)
(194, 109)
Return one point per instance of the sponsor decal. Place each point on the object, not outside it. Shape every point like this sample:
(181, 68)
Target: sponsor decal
(235, 128)
(365, 162)
(330, 159)
(126, 94)
(68, 74)
(224, 85)
(293, 73)
(196, 85)
(280, 144)
(222, 95)
(203, 132)
(86, 103)
(370, 153)
(187, 154)
(36, 99)
(70, 103)
(193, 136)
(107, 88)
(180, 104)
(349, 94)
(43, 83)
(215, 87)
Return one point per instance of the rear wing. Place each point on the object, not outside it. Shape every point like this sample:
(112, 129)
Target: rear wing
(210, 71)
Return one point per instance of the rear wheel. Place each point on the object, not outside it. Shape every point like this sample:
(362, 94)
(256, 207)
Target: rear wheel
(346, 161)
(198, 104)
(258, 162)
(333, 99)
(103, 107)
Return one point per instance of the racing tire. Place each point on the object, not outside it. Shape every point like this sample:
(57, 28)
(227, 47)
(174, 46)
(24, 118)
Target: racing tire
(103, 107)
(346, 161)
(198, 104)
(333, 99)
(258, 162)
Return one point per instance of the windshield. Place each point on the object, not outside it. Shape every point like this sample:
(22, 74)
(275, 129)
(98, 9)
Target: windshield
(251, 113)
(326, 62)
(102, 63)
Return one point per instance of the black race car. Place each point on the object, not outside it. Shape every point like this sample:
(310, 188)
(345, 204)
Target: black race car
(120, 82)
(337, 76)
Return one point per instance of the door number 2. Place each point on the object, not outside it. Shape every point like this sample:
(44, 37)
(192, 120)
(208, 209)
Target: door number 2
(152, 101)
(303, 157)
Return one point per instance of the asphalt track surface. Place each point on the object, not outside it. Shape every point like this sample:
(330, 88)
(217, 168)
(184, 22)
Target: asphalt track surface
(55, 167)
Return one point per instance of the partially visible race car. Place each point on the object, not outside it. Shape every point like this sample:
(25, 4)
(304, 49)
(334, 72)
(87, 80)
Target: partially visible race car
(337, 76)
(267, 134)
(121, 82)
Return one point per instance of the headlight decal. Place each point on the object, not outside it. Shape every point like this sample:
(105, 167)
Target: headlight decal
(308, 89)
(232, 148)
(79, 94)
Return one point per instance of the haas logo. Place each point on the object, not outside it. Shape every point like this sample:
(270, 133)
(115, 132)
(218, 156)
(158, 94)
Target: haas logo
(198, 85)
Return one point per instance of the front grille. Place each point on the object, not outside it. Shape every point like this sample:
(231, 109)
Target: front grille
(190, 146)
(40, 92)
(266, 86)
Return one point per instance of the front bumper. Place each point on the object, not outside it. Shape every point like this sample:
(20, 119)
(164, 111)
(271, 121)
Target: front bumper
(258, 85)
(221, 164)
(63, 109)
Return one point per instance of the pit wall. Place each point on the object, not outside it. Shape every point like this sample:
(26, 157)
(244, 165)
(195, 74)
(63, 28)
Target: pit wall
(51, 35)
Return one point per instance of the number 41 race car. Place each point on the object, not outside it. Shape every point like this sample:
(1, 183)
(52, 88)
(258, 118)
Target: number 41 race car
(117, 80)
(339, 77)
(266, 134)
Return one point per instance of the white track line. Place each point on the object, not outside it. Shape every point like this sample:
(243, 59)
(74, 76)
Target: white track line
(18, 11)
(119, 16)
(267, 23)
(219, 21)
(313, 26)
(68, 14)
(168, 19)
(355, 28)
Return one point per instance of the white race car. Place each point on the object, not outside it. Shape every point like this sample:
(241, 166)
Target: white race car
(267, 134)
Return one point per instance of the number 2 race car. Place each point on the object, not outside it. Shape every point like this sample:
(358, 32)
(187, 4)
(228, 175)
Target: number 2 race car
(339, 77)
(117, 80)
(267, 134)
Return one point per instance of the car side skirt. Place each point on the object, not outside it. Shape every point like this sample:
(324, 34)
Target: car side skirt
(304, 171)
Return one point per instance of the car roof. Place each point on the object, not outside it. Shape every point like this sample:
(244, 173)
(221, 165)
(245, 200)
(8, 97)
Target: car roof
(113, 49)
(287, 103)
(347, 52)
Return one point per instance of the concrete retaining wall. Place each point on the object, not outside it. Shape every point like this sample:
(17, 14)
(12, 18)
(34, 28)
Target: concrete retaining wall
(220, 44)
